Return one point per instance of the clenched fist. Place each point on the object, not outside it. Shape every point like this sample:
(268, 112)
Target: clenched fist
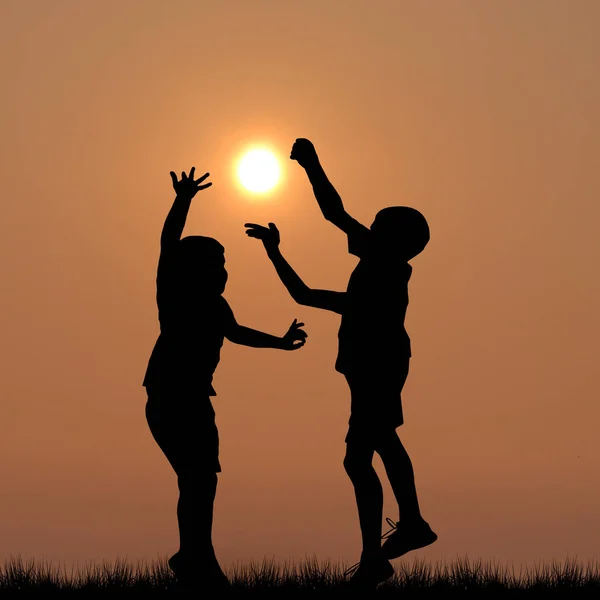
(304, 152)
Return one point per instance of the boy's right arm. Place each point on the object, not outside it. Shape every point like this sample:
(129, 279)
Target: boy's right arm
(300, 292)
(326, 195)
(170, 237)
(185, 189)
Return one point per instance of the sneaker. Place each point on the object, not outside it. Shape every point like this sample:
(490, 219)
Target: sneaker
(368, 574)
(196, 574)
(403, 538)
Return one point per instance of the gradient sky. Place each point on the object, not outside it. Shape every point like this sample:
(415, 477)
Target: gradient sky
(483, 115)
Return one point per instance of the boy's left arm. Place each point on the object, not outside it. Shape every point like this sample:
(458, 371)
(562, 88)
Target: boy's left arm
(299, 291)
(294, 339)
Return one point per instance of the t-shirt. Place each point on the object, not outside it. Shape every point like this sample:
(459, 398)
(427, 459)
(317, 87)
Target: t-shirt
(372, 336)
(192, 326)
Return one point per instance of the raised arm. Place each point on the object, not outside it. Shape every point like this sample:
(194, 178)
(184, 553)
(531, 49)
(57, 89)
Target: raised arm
(326, 195)
(185, 189)
(299, 291)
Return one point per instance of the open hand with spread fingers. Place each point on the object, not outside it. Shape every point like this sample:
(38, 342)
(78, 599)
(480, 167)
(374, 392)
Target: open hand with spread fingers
(268, 235)
(186, 186)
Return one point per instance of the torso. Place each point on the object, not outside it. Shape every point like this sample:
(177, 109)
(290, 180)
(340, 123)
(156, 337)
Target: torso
(372, 333)
(188, 348)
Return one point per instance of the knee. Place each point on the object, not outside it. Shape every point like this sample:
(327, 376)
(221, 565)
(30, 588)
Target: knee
(389, 444)
(197, 483)
(356, 466)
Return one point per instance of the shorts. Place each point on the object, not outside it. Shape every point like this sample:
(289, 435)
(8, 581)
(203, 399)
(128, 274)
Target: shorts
(183, 425)
(376, 402)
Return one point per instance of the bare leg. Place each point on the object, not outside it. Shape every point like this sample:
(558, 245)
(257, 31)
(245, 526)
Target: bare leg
(399, 469)
(195, 514)
(369, 495)
(412, 531)
(177, 434)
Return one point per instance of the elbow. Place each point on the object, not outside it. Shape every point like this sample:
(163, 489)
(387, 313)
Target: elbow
(331, 215)
(302, 295)
(337, 217)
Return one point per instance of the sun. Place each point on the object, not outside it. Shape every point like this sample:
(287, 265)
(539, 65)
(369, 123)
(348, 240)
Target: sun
(258, 170)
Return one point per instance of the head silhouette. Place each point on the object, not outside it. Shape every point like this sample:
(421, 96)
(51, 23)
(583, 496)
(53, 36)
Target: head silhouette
(400, 232)
(201, 264)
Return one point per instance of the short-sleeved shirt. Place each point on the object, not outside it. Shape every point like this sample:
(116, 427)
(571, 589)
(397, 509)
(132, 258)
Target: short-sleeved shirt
(372, 337)
(192, 329)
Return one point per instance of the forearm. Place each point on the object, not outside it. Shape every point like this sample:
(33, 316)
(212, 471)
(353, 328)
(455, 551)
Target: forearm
(246, 336)
(291, 280)
(326, 195)
(175, 221)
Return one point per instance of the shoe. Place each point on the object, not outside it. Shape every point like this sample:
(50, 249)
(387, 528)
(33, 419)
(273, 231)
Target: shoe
(403, 538)
(198, 574)
(369, 573)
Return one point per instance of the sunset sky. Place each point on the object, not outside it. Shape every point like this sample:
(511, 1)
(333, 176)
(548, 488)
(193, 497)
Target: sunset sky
(483, 115)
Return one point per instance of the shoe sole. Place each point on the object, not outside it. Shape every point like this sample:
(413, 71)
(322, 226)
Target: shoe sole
(362, 584)
(395, 554)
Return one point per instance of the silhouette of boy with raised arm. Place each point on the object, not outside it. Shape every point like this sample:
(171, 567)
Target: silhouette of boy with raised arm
(374, 354)
(194, 318)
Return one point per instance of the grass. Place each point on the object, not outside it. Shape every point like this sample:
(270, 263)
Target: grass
(416, 579)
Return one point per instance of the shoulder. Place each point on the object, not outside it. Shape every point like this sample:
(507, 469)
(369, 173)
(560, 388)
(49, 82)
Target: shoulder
(358, 238)
(224, 308)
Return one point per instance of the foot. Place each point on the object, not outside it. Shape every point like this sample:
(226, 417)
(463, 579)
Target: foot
(198, 573)
(405, 537)
(370, 573)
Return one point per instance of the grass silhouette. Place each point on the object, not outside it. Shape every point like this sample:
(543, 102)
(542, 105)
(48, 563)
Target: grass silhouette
(417, 579)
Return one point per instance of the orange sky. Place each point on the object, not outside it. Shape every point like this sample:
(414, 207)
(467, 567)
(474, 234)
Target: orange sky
(483, 115)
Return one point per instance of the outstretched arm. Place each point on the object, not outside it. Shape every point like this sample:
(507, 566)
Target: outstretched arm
(238, 334)
(326, 195)
(185, 189)
(299, 291)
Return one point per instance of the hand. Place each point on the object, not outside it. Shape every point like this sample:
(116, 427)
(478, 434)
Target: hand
(304, 152)
(295, 337)
(268, 235)
(187, 186)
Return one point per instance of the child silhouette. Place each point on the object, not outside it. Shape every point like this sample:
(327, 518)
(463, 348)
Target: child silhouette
(374, 355)
(194, 319)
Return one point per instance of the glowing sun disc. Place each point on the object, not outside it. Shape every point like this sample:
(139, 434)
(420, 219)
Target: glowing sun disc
(258, 170)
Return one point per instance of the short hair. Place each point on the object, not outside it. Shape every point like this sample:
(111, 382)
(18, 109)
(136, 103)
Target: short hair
(403, 227)
(199, 244)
